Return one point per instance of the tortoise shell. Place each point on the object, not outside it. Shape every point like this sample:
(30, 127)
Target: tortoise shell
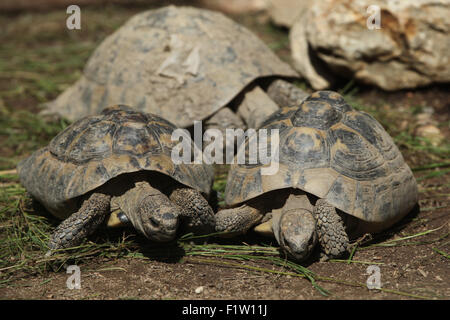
(181, 63)
(334, 152)
(97, 148)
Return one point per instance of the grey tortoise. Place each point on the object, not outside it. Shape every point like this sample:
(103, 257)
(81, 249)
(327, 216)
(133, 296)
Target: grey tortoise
(184, 64)
(340, 176)
(118, 161)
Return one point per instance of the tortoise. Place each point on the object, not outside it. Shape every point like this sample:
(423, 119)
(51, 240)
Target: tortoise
(118, 161)
(183, 64)
(340, 175)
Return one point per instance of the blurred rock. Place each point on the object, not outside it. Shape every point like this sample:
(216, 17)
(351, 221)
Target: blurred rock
(22, 5)
(426, 127)
(284, 94)
(284, 12)
(304, 59)
(430, 132)
(256, 106)
(424, 119)
(235, 6)
(425, 116)
(409, 50)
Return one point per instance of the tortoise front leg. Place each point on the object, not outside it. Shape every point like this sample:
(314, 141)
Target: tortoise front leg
(237, 220)
(331, 230)
(197, 214)
(81, 224)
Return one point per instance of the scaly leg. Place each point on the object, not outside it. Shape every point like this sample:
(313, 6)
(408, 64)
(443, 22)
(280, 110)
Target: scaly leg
(237, 220)
(331, 230)
(81, 224)
(198, 214)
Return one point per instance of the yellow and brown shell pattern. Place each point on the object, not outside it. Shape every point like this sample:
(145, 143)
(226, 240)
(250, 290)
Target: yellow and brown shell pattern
(334, 152)
(95, 149)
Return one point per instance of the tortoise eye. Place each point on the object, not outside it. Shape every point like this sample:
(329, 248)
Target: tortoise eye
(154, 222)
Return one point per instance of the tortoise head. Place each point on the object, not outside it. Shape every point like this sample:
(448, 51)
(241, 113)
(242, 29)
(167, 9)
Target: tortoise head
(158, 223)
(295, 231)
(150, 212)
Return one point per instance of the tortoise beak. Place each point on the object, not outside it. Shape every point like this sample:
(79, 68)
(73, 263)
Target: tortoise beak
(162, 228)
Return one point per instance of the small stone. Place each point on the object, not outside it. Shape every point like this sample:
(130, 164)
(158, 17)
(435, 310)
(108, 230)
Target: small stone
(423, 273)
(424, 118)
(403, 125)
(199, 290)
(235, 6)
(430, 132)
(284, 12)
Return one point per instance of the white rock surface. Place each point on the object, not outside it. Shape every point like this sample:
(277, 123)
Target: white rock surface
(410, 49)
(285, 12)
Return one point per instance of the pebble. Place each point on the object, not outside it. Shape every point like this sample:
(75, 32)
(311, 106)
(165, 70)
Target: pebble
(199, 290)
(431, 133)
(423, 273)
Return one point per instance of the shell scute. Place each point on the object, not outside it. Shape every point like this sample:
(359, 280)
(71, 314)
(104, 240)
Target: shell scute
(353, 156)
(306, 147)
(135, 139)
(316, 114)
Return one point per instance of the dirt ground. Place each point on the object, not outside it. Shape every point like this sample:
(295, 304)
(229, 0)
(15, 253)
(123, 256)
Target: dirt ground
(410, 268)
(416, 269)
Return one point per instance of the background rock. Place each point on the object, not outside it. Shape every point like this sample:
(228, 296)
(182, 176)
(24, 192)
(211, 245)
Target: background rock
(430, 132)
(235, 6)
(409, 50)
(285, 12)
(20, 5)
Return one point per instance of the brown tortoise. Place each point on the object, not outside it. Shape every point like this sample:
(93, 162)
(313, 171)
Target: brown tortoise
(120, 159)
(340, 174)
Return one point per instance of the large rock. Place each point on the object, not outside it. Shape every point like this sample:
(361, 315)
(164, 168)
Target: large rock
(410, 49)
(23, 5)
(285, 12)
(235, 6)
